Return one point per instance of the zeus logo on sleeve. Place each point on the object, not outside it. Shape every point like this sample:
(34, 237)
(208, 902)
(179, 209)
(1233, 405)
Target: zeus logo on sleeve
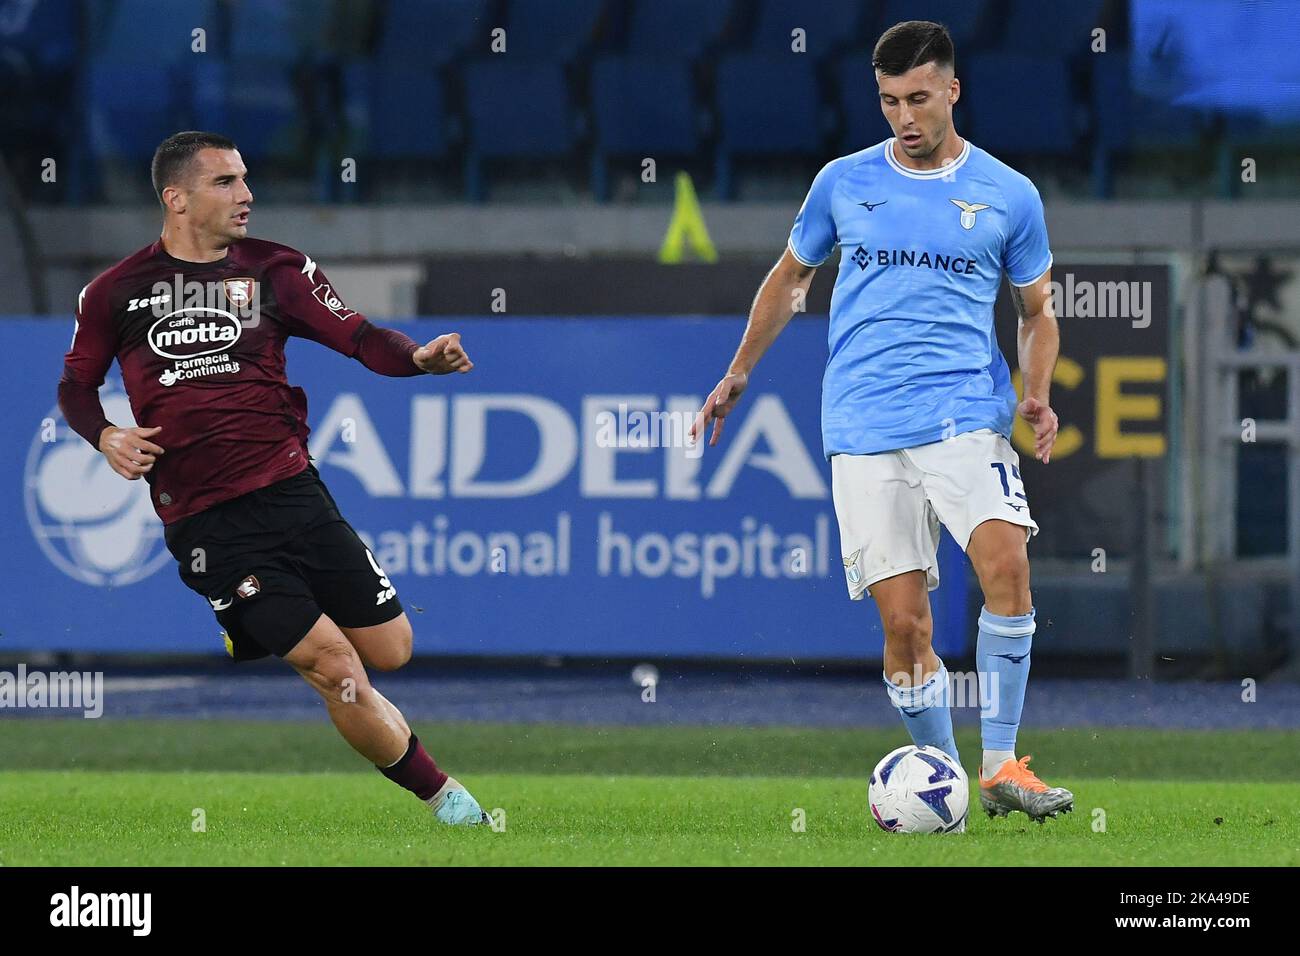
(324, 293)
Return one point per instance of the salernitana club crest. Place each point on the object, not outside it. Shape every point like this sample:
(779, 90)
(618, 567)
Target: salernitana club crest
(239, 291)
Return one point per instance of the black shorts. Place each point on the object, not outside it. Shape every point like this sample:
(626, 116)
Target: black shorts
(272, 561)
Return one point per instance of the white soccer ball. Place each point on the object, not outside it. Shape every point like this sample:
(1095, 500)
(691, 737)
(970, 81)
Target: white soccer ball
(918, 790)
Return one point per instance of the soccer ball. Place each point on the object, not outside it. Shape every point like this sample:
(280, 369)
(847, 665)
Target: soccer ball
(918, 790)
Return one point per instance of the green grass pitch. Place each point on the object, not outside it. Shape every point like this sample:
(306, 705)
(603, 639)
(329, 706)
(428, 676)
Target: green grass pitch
(126, 792)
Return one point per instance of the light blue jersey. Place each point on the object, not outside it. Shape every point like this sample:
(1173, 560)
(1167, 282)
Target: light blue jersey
(913, 355)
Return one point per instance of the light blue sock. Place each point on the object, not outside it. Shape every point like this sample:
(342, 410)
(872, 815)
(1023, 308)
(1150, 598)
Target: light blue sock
(1002, 660)
(925, 711)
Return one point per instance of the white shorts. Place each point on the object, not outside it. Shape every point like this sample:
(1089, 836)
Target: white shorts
(890, 505)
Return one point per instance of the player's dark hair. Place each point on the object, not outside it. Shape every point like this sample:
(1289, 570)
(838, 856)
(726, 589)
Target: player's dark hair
(910, 44)
(171, 159)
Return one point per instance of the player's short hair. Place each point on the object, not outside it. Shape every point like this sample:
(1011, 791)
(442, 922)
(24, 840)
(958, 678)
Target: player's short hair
(910, 44)
(171, 160)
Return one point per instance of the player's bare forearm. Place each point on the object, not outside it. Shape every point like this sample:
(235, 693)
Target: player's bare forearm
(1038, 340)
(1038, 337)
(1038, 346)
(785, 286)
(773, 307)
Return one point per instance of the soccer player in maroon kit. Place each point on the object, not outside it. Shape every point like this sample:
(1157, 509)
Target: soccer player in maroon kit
(198, 321)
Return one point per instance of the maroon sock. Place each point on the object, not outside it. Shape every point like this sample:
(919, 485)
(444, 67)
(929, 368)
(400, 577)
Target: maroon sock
(416, 771)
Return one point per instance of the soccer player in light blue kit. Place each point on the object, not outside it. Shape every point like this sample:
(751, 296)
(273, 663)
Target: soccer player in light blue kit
(917, 400)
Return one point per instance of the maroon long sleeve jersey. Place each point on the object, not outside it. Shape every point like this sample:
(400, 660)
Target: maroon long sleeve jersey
(201, 348)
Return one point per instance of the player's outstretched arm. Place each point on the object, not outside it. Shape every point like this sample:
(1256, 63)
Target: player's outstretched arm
(442, 356)
(774, 305)
(1038, 341)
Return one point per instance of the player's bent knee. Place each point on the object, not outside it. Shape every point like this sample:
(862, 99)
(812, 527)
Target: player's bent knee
(328, 662)
(1005, 573)
(336, 673)
(384, 647)
(395, 655)
(906, 629)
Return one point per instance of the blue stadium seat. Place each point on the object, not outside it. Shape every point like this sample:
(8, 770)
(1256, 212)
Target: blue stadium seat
(675, 29)
(545, 30)
(149, 31)
(254, 103)
(131, 108)
(1125, 119)
(640, 107)
(1019, 103)
(962, 18)
(864, 124)
(398, 109)
(46, 39)
(766, 107)
(514, 110)
(275, 29)
(517, 109)
(433, 31)
(829, 25)
(1064, 29)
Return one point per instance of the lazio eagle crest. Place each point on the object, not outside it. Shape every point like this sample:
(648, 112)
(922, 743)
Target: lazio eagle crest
(851, 567)
(968, 211)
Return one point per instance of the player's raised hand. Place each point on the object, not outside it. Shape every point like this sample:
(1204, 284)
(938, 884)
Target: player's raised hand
(718, 405)
(129, 451)
(443, 356)
(1044, 422)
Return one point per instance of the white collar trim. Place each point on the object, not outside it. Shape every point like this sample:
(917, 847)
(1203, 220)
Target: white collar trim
(940, 173)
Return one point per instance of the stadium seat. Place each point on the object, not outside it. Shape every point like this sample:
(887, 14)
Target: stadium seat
(1018, 103)
(1125, 121)
(514, 111)
(44, 40)
(433, 31)
(275, 29)
(829, 25)
(397, 110)
(146, 31)
(963, 18)
(131, 127)
(1067, 32)
(864, 124)
(255, 103)
(766, 107)
(640, 107)
(545, 30)
(675, 29)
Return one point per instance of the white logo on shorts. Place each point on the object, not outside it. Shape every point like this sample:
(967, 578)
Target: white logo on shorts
(386, 589)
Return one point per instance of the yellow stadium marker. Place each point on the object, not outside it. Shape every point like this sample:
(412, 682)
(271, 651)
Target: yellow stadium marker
(686, 225)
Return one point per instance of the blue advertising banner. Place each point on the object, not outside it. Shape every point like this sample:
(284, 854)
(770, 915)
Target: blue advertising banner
(543, 504)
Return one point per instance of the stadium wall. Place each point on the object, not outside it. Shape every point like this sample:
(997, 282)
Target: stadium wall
(512, 516)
